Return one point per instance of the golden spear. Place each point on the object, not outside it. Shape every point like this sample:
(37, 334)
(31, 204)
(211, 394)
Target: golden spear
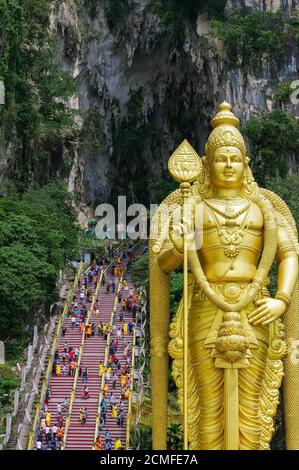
(184, 167)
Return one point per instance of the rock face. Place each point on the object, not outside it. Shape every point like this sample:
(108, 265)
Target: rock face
(139, 96)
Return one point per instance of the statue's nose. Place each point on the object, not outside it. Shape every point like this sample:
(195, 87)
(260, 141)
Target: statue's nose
(228, 162)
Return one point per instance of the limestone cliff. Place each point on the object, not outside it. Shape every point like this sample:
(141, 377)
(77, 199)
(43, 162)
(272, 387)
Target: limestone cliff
(140, 95)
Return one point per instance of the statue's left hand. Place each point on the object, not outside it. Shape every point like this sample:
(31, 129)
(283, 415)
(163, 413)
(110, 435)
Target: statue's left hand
(267, 312)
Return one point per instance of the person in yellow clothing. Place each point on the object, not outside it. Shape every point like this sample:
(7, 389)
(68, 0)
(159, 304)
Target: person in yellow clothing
(106, 390)
(118, 444)
(108, 373)
(101, 369)
(114, 412)
(58, 369)
(123, 381)
(48, 418)
(99, 443)
(60, 433)
(124, 283)
(127, 394)
(125, 328)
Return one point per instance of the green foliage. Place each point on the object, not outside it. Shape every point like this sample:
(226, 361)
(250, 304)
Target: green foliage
(143, 439)
(175, 437)
(38, 235)
(139, 271)
(274, 137)
(174, 13)
(8, 382)
(35, 118)
(176, 291)
(116, 12)
(288, 189)
(250, 38)
(293, 29)
(161, 188)
(283, 92)
(90, 135)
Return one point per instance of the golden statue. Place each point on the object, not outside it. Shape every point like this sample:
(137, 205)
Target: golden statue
(237, 343)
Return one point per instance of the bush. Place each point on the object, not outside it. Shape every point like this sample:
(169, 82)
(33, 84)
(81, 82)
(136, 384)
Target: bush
(288, 189)
(274, 138)
(176, 291)
(8, 382)
(143, 439)
(38, 235)
(282, 93)
(252, 37)
(175, 437)
(139, 271)
(173, 14)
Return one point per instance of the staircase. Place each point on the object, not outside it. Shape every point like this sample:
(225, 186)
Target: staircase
(81, 436)
(61, 386)
(95, 350)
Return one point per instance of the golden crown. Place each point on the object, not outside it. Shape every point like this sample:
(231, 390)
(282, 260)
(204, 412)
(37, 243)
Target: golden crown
(225, 125)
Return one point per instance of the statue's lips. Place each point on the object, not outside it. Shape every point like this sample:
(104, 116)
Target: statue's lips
(229, 173)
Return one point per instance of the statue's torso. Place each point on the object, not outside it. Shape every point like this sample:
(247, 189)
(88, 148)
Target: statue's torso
(216, 264)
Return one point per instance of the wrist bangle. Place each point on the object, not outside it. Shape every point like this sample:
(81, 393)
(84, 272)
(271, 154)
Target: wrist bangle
(284, 297)
(177, 253)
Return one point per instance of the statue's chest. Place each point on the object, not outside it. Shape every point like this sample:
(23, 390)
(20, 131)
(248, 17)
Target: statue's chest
(215, 229)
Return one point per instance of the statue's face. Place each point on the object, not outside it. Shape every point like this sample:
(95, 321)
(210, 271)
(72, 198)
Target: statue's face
(227, 167)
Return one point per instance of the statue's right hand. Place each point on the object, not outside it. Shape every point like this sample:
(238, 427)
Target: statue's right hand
(177, 231)
(176, 236)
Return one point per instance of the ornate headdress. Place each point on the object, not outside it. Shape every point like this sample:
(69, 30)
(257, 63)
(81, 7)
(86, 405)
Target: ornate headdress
(225, 125)
(225, 133)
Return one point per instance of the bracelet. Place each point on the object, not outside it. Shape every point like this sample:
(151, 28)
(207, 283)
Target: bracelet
(284, 297)
(177, 253)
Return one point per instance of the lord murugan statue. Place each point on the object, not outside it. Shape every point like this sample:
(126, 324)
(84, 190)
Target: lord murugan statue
(241, 342)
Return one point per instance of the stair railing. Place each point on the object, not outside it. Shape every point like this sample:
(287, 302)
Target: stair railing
(51, 360)
(129, 414)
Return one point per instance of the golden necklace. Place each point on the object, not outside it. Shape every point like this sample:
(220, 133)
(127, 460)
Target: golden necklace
(230, 237)
(229, 211)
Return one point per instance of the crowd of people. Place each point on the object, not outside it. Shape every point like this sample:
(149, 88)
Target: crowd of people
(50, 431)
(117, 370)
